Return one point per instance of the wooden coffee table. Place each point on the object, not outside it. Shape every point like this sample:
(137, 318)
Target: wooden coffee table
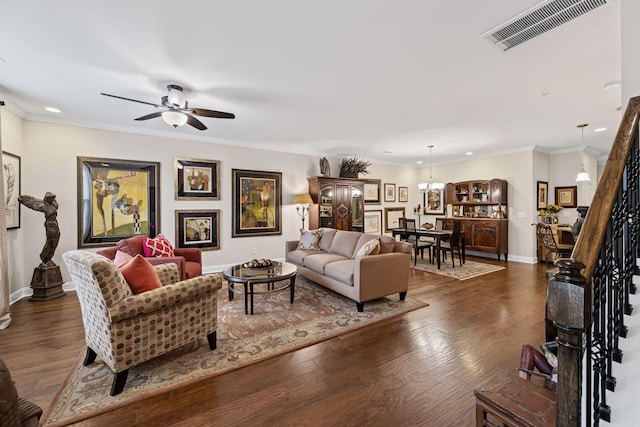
(249, 277)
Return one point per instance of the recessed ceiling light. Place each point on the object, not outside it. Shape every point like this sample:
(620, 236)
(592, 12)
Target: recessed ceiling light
(468, 153)
(419, 162)
(600, 130)
(52, 110)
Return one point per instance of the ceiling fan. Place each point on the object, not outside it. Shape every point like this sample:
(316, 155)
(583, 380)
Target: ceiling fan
(175, 109)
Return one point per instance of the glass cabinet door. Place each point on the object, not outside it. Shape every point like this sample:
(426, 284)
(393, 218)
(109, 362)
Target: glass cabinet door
(326, 206)
(357, 208)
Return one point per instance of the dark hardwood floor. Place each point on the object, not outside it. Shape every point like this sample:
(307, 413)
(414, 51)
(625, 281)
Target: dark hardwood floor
(416, 369)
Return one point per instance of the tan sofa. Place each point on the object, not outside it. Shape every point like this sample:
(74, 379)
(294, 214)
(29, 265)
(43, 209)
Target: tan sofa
(335, 265)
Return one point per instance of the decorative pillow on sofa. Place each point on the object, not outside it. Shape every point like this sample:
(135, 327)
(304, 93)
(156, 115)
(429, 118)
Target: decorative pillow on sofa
(140, 275)
(372, 247)
(310, 240)
(121, 258)
(158, 246)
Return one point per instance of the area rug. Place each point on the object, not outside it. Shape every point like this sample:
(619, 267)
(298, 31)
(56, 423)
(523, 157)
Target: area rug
(468, 270)
(277, 327)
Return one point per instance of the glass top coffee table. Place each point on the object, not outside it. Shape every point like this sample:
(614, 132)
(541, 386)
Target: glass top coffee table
(251, 276)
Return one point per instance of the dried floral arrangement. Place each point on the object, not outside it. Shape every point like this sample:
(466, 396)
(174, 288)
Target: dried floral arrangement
(351, 166)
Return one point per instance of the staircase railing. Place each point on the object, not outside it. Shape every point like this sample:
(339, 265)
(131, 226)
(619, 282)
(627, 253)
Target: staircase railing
(589, 296)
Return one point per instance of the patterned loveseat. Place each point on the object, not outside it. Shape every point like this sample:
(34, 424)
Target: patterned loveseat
(126, 329)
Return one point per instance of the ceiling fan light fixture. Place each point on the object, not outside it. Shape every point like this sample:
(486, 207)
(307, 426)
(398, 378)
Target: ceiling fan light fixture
(174, 118)
(176, 96)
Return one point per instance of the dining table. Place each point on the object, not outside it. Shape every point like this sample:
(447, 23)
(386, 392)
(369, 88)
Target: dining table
(437, 235)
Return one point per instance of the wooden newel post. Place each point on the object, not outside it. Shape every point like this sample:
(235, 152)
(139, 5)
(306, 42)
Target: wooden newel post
(568, 302)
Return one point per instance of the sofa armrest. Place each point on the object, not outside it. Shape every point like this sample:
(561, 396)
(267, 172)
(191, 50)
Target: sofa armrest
(380, 275)
(157, 299)
(189, 254)
(292, 245)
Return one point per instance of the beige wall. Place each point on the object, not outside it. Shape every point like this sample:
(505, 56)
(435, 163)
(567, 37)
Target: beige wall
(12, 142)
(517, 169)
(49, 154)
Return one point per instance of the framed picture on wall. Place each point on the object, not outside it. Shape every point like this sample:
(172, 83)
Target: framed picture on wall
(389, 192)
(542, 194)
(372, 191)
(116, 199)
(257, 202)
(566, 196)
(11, 170)
(196, 179)
(373, 222)
(198, 229)
(403, 194)
(434, 202)
(392, 218)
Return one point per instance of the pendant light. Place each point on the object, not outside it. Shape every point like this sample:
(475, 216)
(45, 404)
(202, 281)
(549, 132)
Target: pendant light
(430, 186)
(583, 176)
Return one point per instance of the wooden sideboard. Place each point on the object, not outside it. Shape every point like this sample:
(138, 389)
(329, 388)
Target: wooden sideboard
(484, 234)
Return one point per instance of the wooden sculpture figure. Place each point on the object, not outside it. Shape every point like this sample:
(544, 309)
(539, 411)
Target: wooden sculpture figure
(49, 206)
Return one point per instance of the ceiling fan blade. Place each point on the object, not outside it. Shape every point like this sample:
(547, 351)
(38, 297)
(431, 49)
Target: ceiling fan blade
(129, 99)
(211, 113)
(150, 116)
(195, 122)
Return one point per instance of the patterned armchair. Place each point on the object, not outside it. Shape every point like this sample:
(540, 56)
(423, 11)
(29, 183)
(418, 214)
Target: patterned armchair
(126, 329)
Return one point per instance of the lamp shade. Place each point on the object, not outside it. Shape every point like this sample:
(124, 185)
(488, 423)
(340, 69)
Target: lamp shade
(302, 199)
(583, 177)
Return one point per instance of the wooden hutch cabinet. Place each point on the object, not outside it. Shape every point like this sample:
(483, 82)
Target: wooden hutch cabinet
(482, 207)
(338, 203)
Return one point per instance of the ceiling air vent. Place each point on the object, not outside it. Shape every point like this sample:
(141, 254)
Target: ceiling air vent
(543, 17)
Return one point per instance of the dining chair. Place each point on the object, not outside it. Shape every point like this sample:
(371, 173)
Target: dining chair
(547, 240)
(453, 244)
(418, 244)
(439, 223)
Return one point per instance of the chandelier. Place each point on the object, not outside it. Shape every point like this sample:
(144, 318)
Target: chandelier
(430, 185)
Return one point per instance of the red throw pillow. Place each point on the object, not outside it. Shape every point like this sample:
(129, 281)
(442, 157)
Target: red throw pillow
(121, 258)
(140, 275)
(159, 246)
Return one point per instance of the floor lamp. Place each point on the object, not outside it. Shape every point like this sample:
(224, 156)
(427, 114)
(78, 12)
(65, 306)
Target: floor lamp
(302, 202)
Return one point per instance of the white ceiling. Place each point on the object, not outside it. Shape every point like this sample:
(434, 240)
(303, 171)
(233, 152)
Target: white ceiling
(333, 77)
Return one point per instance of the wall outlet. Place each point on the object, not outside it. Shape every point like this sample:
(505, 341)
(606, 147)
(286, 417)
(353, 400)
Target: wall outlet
(218, 253)
(255, 251)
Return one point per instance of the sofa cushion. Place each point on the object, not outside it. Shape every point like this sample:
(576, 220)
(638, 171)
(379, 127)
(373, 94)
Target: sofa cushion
(158, 246)
(344, 243)
(387, 244)
(298, 256)
(310, 240)
(140, 275)
(372, 247)
(342, 271)
(327, 237)
(364, 239)
(121, 258)
(317, 262)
